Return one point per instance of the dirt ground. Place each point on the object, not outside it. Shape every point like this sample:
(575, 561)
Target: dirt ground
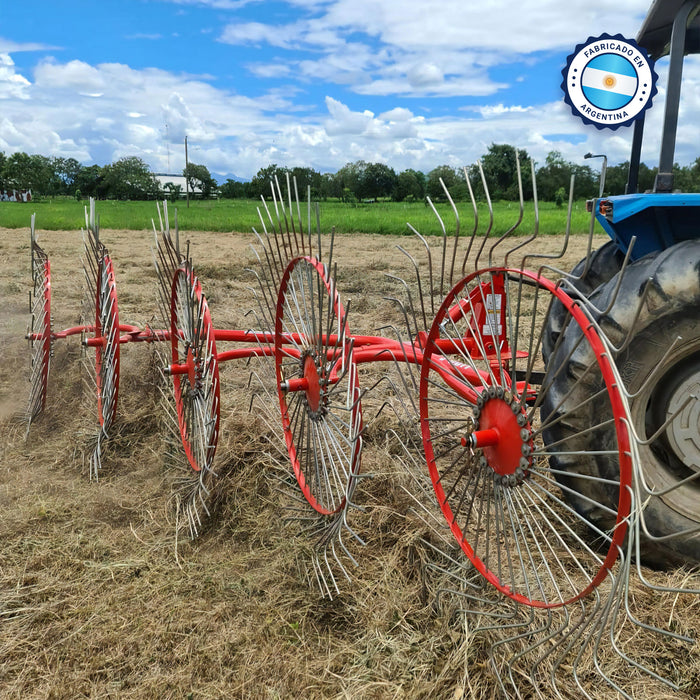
(99, 597)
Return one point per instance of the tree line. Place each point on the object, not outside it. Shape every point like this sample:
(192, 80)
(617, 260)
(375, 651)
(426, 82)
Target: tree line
(360, 181)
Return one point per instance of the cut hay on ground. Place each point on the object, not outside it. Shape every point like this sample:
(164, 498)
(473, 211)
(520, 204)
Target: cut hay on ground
(101, 597)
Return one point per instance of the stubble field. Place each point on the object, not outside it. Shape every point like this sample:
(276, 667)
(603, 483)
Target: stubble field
(99, 597)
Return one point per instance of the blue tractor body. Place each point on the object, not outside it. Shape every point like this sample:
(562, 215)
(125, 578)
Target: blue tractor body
(657, 220)
(661, 218)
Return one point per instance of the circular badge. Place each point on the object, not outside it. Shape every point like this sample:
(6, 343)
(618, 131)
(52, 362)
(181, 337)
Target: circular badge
(609, 81)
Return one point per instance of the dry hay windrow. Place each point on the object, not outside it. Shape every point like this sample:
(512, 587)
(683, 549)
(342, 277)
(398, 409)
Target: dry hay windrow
(100, 597)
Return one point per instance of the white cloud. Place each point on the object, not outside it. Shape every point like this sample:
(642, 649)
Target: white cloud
(398, 114)
(9, 46)
(254, 33)
(494, 25)
(424, 75)
(12, 84)
(344, 121)
(488, 111)
(76, 75)
(398, 51)
(405, 48)
(216, 4)
(233, 133)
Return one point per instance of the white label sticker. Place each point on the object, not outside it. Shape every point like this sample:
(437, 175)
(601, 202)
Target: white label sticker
(493, 325)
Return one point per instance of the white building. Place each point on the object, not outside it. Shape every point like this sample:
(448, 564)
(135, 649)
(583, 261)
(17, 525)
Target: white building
(175, 180)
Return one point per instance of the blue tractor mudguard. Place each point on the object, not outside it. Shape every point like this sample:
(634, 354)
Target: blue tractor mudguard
(657, 219)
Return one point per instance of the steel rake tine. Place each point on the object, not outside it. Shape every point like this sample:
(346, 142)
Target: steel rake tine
(32, 245)
(160, 217)
(291, 214)
(475, 228)
(430, 271)
(550, 378)
(280, 255)
(318, 232)
(519, 220)
(404, 367)
(516, 225)
(309, 227)
(284, 232)
(166, 216)
(455, 212)
(278, 227)
(412, 332)
(426, 325)
(615, 293)
(301, 224)
(567, 233)
(177, 236)
(330, 571)
(489, 228)
(320, 581)
(262, 315)
(279, 266)
(273, 280)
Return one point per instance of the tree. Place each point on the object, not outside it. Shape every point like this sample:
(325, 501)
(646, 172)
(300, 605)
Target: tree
(453, 180)
(617, 176)
(89, 181)
(647, 177)
(199, 178)
(129, 178)
(500, 171)
(21, 171)
(259, 186)
(330, 186)
(694, 170)
(305, 178)
(66, 171)
(555, 175)
(410, 185)
(349, 177)
(45, 178)
(552, 176)
(232, 189)
(15, 171)
(687, 178)
(174, 191)
(377, 180)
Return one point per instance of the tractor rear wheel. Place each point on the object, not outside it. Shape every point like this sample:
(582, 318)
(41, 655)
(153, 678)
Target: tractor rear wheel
(664, 388)
(589, 273)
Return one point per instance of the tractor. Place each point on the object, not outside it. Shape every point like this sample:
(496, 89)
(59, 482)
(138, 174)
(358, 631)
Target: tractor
(645, 286)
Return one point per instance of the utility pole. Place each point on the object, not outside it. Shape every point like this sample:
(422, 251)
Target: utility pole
(187, 185)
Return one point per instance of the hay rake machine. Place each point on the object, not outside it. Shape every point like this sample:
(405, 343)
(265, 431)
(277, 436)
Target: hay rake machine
(520, 531)
(100, 330)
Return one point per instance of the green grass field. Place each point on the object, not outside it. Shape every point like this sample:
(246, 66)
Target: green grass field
(242, 215)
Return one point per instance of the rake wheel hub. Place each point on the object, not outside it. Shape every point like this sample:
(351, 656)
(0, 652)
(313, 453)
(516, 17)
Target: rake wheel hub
(504, 435)
(314, 394)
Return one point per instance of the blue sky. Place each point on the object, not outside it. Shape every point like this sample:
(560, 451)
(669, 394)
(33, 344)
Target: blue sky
(314, 83)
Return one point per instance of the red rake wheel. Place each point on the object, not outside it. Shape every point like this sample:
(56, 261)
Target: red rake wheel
(318, 386)
(481, 392)
(106, 351)
(197, 389)
(40, 332)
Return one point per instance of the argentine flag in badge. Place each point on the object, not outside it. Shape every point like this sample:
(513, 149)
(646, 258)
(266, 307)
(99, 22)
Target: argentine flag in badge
(609, 81)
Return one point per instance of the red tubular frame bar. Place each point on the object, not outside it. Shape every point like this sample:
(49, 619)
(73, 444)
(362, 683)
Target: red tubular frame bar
(366, 348)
